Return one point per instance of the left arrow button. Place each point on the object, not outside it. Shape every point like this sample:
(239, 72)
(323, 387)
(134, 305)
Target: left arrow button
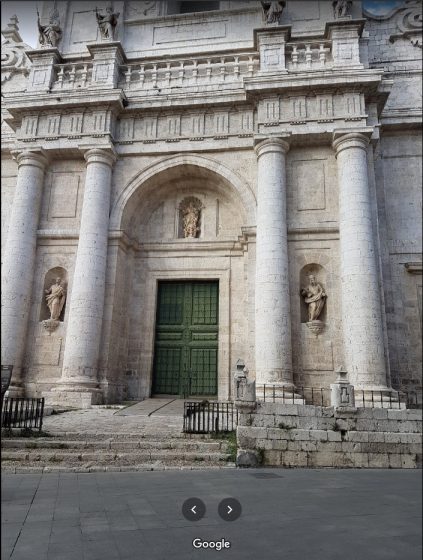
(193, 509)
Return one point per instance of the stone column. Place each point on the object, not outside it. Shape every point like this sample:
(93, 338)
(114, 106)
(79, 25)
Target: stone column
(80, 361)
(360, 299)
(18, 262)
(272, 303)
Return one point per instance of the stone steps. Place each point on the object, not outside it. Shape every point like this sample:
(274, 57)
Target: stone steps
(106, 458)
(50, 443)
(110, 451)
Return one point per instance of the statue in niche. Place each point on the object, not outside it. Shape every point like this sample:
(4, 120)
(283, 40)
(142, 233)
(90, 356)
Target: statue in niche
(272, 11)
(315, 297)
(191, 213)
(55, 298)
(107, 23)
(50, 34)
(341, 8)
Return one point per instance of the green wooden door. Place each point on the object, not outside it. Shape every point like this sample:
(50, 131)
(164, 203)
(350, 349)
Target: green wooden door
(185, 351)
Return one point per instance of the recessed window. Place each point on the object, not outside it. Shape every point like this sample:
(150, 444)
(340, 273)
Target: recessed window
(191, 6)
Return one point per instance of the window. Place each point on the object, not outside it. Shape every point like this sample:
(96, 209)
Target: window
(191, 6)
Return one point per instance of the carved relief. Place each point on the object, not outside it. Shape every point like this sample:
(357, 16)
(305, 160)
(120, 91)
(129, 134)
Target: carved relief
(190, 212)
(143, 8)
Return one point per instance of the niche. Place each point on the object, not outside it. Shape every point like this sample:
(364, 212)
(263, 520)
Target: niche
(313, 297)
(53, 298)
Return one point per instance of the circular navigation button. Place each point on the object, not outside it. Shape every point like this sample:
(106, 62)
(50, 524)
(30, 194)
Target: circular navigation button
(193, 509)
(229, 509)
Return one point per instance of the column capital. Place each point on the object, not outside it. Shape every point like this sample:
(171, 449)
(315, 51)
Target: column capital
(36, 158)
(344, 139)
(268, 145)
(100, 155)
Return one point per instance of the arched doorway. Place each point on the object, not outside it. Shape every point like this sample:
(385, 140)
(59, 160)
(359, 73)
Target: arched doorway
(187, 320)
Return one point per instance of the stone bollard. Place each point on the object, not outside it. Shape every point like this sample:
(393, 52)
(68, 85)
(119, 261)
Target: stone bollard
(245, 402)
(245, 391)
(342, 392)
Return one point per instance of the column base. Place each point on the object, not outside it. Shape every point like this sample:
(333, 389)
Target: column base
(73, 395)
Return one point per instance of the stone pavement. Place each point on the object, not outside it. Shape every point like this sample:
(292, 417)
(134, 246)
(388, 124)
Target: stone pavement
(287, 515)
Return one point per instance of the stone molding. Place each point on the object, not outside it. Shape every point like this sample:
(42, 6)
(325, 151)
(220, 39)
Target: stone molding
(100, 155)
(271, 145)
(36, 159)
(351, 140)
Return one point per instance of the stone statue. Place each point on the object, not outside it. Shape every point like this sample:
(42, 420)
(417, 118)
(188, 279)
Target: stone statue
(315, 297)
(49, 35)
(191, 219)
(55, 297)
(107, 23)
(272, 11)
(341, 8)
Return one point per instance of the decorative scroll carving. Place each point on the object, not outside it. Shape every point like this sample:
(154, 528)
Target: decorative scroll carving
(341, 8)
(190, 210)
(13, 57)
(409, 22)
(272, 11)
(107, 23)
(50, 34)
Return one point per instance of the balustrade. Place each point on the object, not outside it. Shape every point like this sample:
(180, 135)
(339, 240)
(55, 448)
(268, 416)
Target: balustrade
(310, 55)
(213, 70)
(72, 75)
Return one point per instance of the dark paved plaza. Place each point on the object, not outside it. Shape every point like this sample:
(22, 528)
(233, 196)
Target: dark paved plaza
(286, 515)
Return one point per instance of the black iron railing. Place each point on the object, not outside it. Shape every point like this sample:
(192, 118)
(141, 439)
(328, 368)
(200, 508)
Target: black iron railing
(207, 417)
(22, 413)
(386, 399)
(318, 396)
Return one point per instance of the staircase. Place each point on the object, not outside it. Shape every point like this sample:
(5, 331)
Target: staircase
(100, 441)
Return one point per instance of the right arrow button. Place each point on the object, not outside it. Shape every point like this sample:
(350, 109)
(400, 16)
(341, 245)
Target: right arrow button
(229, 509)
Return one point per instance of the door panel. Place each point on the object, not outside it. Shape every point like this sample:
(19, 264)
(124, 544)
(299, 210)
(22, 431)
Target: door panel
(186, 344)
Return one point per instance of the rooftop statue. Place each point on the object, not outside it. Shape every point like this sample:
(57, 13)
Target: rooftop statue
(341, 8)
(107, 23)
(272, 11)
(50, 34)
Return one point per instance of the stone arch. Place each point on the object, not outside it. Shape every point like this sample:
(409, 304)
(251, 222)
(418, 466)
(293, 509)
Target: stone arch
(49, 279)
(140, 183)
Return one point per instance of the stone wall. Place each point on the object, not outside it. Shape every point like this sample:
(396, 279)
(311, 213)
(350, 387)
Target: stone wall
(291, 435)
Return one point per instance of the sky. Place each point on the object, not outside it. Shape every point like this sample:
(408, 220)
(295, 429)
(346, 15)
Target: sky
(26, 10)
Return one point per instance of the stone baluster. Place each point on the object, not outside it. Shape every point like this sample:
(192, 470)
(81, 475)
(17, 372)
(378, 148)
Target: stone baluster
(142, 74)
(308, 55)
(79, 380)
(272, 315)
(360, 295)
(19, 260)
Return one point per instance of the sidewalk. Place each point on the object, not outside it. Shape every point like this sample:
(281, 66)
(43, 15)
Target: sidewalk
(287, 515)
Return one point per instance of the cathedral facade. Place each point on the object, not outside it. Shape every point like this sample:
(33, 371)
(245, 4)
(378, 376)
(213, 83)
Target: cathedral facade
(187, 184)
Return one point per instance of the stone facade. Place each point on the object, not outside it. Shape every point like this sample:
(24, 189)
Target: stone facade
(300, 140)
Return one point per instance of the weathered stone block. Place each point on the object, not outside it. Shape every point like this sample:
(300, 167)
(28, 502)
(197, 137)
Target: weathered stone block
(378, 460)
(294, 459)
(247, 458)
